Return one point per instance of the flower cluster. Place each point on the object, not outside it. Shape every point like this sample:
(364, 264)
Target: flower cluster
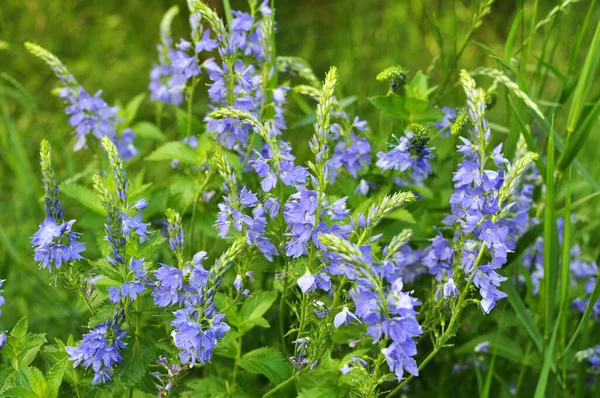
(592, 355)
(351, 153)
(55, 242)
(480, 210)
(178, 64)
(386, 309)
(411, 153)
(87, 113)
(101, 348)
(198, 325)
(231, 211)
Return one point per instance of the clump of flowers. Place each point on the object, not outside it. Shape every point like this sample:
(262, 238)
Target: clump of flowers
(87, 113)
(411, 153)
(55, 243)
(101, 349)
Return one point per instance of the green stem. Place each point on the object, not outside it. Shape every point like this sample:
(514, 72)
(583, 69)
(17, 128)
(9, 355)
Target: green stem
(279, 386)
(238, 356)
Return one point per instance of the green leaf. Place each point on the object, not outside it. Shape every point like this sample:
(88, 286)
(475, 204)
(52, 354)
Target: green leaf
(140, 352)
(267, 361)
(584, 83)
(20, 328)
(107, 269)
(105, 310)
(54, 377)
(577, 140)
(402, 215)
(418, 87)
(149, 131)
(331, 390)
(254, 308)
(151, 247)
(37, 382)
(174, 150)
(523, 316)
(392, 105)
(83, 195)
(132, 107)
(20, 392)
(550, 239)
(205, 388)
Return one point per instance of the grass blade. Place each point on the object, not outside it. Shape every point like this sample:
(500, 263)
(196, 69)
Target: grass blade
(550, 237)
(522, 315)
(580, 136)
(585, 79)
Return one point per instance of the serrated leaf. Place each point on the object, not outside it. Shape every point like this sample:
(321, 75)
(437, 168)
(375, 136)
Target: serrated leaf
(33, 345)
(254, 308)
(37, 382)
(151, 247)
(174, 150)
(205, 388)
(402, 215)
(267, 361)
(105, 310)
(20, 328)
(140, 352)
(392, 105)
(107, 269)
(54, 377)
(20, 392)
(84, 196)
(149, 131)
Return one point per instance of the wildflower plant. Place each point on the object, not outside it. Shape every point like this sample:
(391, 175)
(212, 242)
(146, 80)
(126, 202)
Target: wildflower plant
(230, 249)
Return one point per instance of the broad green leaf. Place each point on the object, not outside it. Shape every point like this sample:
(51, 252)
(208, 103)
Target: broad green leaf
(267, 361)
(54, 377)
(83, 195)
(107, 269)
(252, 311)
(207, 387)
(392, 105)
(138, 355)
(174, 150)
(20, 328)
(327, 391)
(402, 215)
(20, 392)
(149, 131)
(418, 88)
(37, 382)
(105, 310)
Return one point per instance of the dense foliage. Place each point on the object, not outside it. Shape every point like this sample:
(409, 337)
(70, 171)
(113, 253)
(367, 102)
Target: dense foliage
(257, 236)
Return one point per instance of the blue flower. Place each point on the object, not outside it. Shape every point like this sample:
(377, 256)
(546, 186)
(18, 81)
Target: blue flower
(344, 317)
(101, 349)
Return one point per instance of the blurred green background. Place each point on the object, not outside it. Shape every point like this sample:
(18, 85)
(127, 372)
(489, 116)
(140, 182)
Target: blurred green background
(111, 44)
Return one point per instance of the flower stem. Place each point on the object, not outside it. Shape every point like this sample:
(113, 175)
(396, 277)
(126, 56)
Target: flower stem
(279, 386)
